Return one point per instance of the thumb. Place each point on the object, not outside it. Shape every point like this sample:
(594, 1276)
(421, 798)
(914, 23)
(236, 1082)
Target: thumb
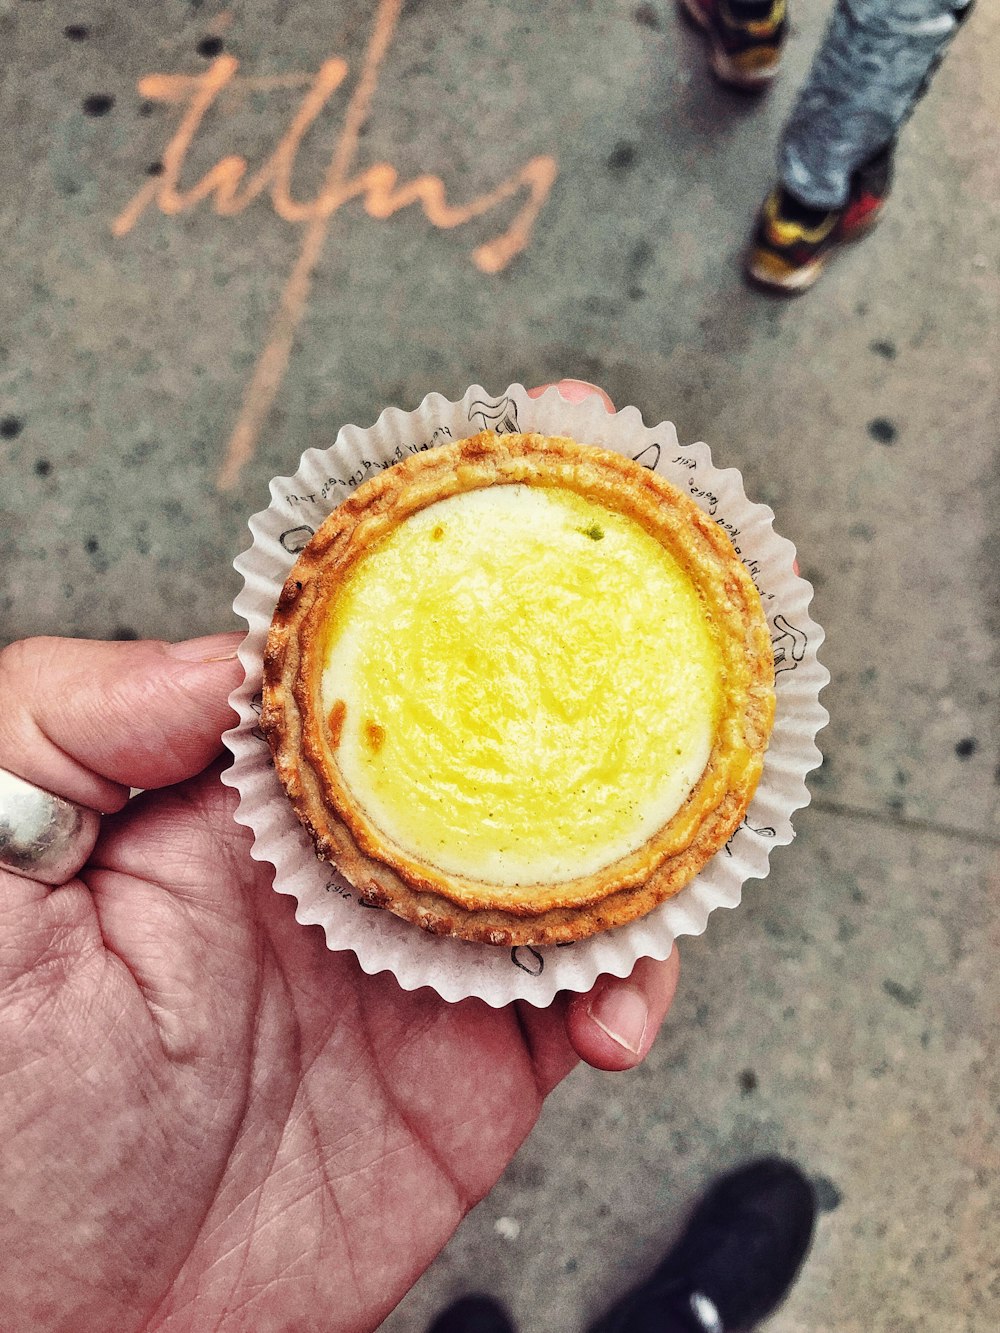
(91, 720)
(615, 1024)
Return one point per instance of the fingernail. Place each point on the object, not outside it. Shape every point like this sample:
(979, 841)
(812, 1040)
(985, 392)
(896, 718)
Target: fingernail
(622, 1012)
(210, 648)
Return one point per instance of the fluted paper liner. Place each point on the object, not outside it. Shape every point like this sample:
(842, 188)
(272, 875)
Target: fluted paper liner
(454, 968)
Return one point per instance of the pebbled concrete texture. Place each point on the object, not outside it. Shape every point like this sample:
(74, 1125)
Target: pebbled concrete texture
(839, 1017)
(846, 1013)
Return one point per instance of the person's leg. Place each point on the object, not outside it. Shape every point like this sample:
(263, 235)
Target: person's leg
(835, 159)
(873, 64)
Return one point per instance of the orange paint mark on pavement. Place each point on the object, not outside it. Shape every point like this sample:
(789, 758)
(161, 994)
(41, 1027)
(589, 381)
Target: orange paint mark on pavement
(231, 190)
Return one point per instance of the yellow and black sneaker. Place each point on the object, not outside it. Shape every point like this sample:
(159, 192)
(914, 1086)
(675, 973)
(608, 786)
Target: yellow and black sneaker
(745, 38)
(792, 242)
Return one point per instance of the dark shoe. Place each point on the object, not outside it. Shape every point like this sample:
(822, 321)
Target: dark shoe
(792, 242)
(739, 1255)
(473, 1314)
(744, 39)
(870, 186)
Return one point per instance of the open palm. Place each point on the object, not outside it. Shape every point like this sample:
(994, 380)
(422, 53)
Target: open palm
(211, 1121)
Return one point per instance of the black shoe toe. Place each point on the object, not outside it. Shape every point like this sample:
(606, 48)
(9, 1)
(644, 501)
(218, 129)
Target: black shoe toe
(742, 1249)
(747, 1239)
(473, 1314)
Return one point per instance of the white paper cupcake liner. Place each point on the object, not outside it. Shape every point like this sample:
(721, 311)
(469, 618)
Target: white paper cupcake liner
(454, 968)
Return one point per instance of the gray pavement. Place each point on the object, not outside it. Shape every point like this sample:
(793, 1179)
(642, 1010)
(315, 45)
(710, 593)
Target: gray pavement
(846, 1013)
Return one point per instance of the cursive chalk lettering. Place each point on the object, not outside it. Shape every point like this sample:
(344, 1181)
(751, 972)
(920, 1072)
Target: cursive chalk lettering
(231, 188)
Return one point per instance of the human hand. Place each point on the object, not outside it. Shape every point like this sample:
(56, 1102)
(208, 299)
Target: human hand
(211, 1121)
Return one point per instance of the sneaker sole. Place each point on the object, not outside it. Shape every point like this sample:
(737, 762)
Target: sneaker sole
(793, 285)
(719, 62)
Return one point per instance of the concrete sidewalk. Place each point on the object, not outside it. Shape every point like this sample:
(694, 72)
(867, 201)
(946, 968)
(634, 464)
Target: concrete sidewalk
(159, 364)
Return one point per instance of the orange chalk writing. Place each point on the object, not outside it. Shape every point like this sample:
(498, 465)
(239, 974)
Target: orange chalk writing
(231, 188)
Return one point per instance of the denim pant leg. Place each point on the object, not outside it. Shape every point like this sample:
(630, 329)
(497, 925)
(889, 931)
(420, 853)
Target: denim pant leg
(874, 62)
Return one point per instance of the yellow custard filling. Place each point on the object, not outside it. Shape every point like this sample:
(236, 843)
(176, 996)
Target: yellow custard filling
(520, 685)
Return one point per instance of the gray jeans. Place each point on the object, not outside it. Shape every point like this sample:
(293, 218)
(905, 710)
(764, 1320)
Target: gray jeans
(874, 62)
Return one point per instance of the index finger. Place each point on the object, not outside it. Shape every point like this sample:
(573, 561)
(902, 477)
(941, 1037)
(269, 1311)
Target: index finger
(574, 391)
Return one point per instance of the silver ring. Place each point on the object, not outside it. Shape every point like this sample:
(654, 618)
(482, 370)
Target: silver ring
(42, 836)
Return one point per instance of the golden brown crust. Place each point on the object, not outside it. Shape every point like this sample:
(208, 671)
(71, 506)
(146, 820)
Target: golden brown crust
(303, 741)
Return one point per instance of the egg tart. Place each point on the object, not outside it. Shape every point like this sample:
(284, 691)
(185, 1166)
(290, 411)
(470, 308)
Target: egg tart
(518, 689)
